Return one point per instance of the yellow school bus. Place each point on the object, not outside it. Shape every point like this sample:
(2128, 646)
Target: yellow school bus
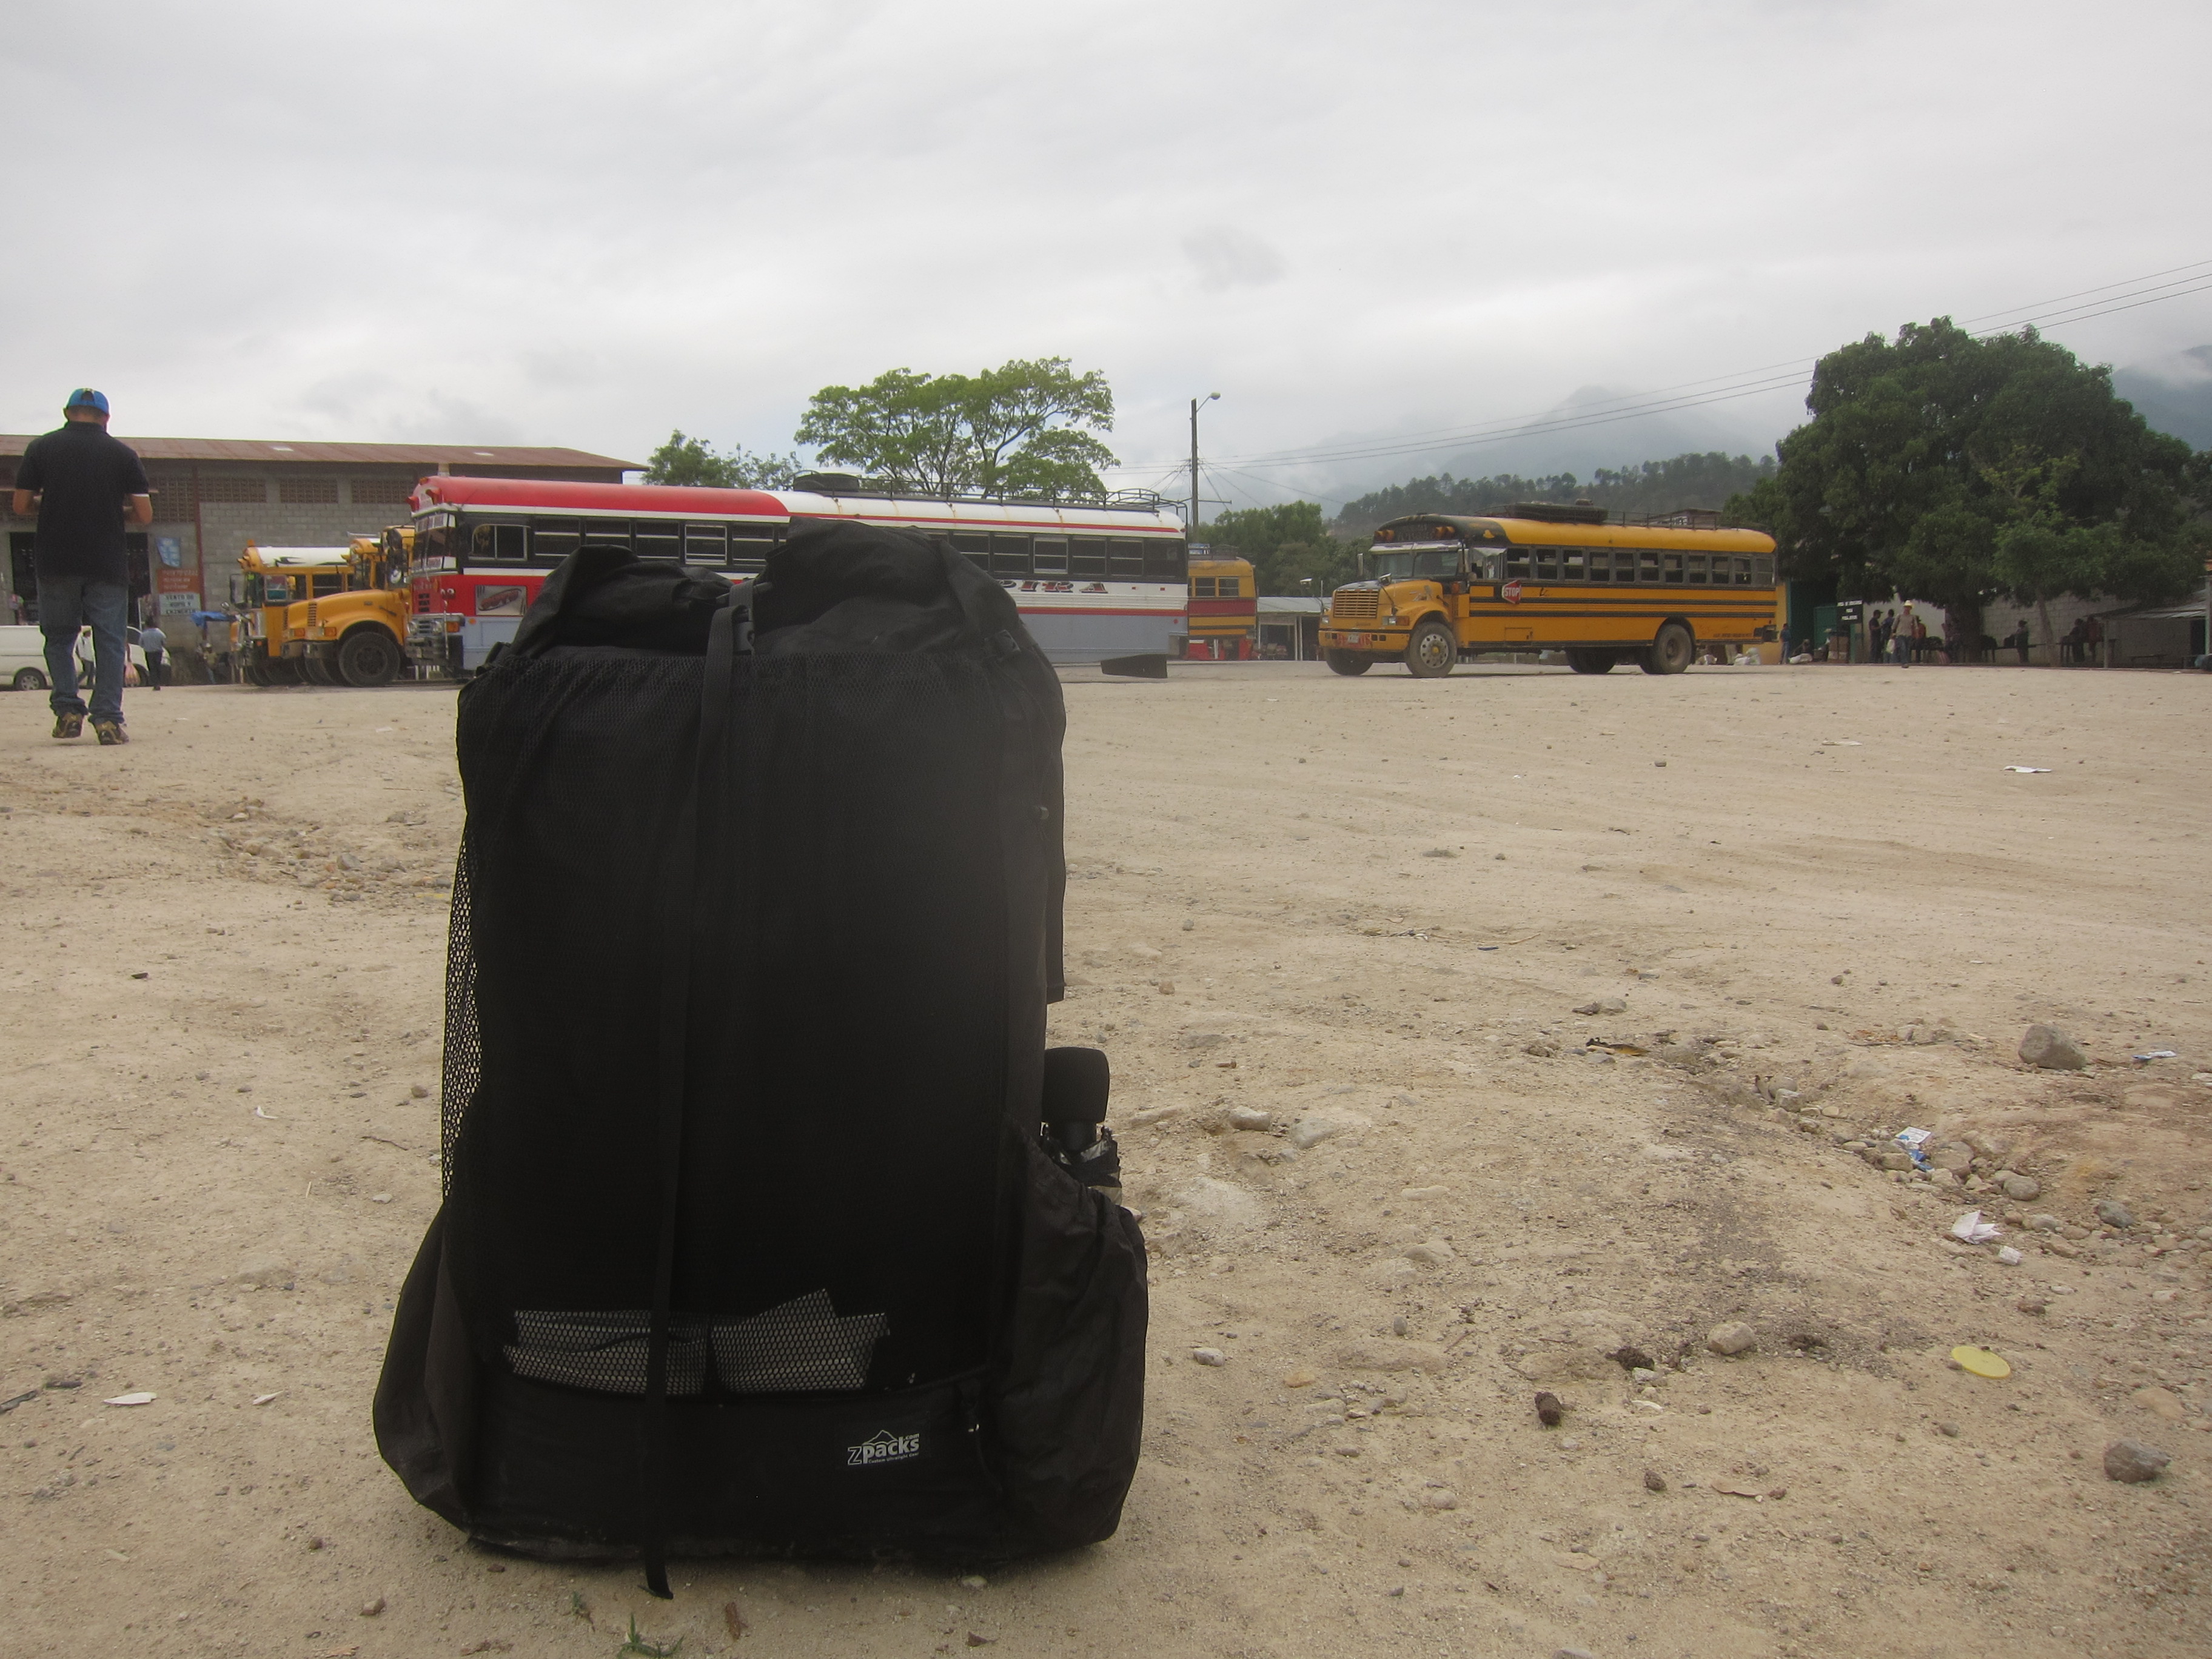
(1545, 577)
(1223, 617)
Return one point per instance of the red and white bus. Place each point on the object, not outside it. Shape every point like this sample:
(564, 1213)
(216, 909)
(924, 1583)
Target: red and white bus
(1095, 584)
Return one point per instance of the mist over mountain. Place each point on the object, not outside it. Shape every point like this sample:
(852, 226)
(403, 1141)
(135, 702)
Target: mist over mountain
(1705, 480)
(1596, 428)
(2174, 393)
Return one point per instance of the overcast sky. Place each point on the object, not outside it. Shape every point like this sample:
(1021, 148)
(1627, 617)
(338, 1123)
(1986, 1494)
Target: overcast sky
(584, 224)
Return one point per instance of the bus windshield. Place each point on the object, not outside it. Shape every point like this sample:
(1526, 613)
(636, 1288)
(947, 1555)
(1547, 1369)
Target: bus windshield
(1405, 564)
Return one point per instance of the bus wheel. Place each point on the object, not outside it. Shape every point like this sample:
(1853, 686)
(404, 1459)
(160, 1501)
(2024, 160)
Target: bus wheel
(29, 679)
(317, 671)
(1432, 653)
(276, 671)
(1347, 662)
(1591, 662)
(1670, 653)
(368, 657)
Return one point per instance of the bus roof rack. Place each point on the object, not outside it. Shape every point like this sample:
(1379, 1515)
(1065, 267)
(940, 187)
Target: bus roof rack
(1551, 512)
(1683, 517)
(853, 484)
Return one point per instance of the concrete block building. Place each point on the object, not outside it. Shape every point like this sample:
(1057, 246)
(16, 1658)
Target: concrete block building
(212, 495)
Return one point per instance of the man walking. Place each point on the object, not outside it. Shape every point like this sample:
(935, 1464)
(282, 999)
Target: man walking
(83, 482)
(153, 641)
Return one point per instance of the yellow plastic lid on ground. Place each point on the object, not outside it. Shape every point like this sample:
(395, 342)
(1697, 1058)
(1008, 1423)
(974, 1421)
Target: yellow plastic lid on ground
(1981, 1362)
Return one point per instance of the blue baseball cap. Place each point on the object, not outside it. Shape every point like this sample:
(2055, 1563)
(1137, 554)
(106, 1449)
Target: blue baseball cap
(85, 398)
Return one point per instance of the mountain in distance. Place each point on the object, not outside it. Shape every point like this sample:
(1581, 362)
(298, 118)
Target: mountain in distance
(2174, 394)
(1705, 480)
(1605, 435)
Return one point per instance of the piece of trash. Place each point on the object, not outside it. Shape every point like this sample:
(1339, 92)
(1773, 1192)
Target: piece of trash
(1757, 1494)
(139, 976)
(258, 1112)
(20, 1400)
(130, 1400)
(2158, 1053)
(2010, 1257)
(1982, 1363)
(263, 1398)
(2027, 768)
(1909, 1138)
(1975, 1231)
(381, 730)
(1842, 742)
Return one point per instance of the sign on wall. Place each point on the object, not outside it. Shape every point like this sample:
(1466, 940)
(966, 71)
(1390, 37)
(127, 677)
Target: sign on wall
(179, 605)
(170, 550)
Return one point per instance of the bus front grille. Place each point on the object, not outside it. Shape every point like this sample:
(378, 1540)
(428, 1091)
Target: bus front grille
(1355, 604)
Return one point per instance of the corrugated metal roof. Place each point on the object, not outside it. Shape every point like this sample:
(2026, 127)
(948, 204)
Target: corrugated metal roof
(273, 453)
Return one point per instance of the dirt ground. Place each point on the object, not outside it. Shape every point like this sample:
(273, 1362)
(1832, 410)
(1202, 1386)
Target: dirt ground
(1813, 899)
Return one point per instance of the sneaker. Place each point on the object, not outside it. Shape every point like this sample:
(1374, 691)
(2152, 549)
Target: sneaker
(68, 725)
(111, 731)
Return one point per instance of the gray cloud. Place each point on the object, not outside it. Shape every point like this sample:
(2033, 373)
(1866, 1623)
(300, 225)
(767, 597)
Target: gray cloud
(556, 222)
(1225, 256)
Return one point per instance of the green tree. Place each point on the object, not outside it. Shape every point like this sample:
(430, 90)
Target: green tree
(1955, 469)
(1290, 547)
(685, 460)
(1023, 429)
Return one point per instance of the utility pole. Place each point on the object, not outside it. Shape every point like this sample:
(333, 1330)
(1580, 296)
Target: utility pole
(1209, 398)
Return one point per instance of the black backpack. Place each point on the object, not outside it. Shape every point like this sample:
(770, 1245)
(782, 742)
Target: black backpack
(749, 1241)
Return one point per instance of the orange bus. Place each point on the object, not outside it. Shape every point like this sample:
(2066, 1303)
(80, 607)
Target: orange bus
(1541, 576)
(1223, 616)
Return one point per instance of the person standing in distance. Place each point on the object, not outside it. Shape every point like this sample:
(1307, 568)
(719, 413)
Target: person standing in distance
(84, 483)
(153, 641)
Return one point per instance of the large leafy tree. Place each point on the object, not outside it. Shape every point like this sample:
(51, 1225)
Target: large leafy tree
(685, 460)
(1956, 469)
(1023, 429)
(1290, 547)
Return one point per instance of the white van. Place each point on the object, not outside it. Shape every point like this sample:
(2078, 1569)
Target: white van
(23, 658)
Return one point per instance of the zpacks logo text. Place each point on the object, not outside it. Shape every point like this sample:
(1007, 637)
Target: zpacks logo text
(883, 1447)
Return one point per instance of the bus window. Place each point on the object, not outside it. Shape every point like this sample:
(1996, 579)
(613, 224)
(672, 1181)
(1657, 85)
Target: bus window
(1126, 559)
(1600, 564)
(1516, 563)
(1486, 564)
(976, 547)
(276, 590)
(705, 544)
(607, 533)
(1086, 556)
(1762, 570)
(1230, 587)
(1670, 567)
(490, 544)
(749, 546)
(552, 540)
(1201, 587)
(1647, 565)
(1548, 564)
(658, 538)
(1051, 555)
(1165, 560)
(1009, 556)
(1696, 565)
(1743, 573)
(1574, 564)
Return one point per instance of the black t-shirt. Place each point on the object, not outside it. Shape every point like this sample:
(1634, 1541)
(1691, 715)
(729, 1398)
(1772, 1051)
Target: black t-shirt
(83, 476)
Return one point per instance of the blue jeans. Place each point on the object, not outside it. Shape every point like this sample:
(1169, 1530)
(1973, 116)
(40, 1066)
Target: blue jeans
(66, 604)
